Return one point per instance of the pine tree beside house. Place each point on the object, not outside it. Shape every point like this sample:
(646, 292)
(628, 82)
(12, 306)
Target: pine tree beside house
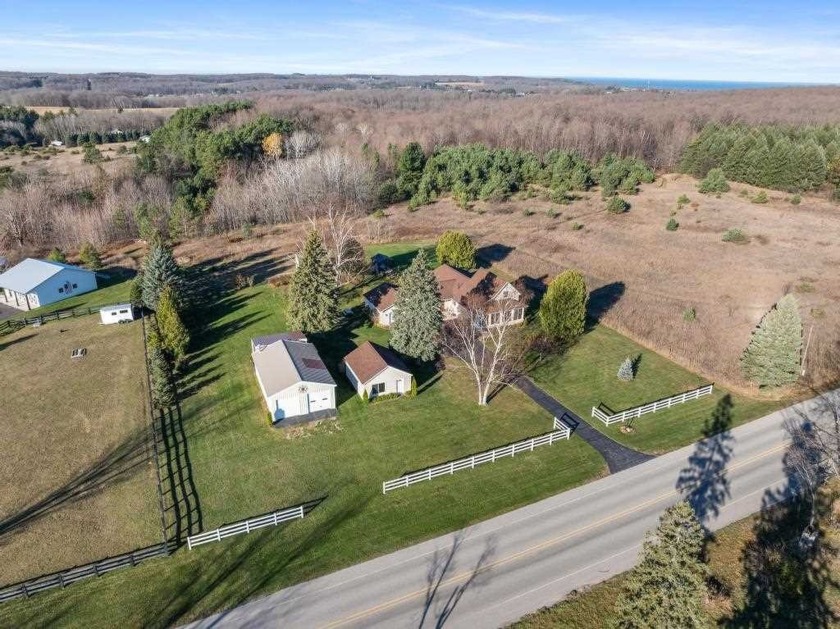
(415, 330)
(159, 271)
(773, 357)
(313, 294)
(668, 586)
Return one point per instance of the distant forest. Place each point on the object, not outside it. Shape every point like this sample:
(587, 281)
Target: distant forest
(277, 156)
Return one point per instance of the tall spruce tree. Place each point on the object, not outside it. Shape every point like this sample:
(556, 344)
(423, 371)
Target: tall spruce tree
(415, 331)
(173, 334)
(563, 308)
(160, 372)
(313, 294)
(159, 271)
(667, 587)
(773, 356)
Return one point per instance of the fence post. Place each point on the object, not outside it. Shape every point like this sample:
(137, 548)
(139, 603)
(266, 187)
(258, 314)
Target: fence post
(218, 535)
(451, 468)
(301, 511)
(247, 526)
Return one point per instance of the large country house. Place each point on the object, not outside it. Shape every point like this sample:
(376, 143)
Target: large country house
(502, 301)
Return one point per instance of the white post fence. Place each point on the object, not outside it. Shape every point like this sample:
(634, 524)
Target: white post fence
(653, 406)
(561, 431)
(246, 526)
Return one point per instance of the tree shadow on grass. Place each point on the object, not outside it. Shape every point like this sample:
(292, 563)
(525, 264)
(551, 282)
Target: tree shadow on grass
(20, 339)
(491, 254)
(602, 300)
(179, 491)
(704, 483)
(245, 561)
(115, 466)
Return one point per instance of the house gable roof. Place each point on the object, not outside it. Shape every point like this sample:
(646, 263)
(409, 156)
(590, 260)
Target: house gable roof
(456, 285)
(369, 359)
(31, 273)
(383, 296)
(284, 362)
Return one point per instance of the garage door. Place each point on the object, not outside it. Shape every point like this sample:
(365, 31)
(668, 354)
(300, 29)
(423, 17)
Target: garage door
(319, 401)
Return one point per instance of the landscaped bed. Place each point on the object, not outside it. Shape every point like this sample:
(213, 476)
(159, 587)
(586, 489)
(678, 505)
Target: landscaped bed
(76, 478)
(586, 376)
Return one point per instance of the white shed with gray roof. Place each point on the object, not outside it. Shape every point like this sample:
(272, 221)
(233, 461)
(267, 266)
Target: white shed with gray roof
(35, 283)
(294, 381)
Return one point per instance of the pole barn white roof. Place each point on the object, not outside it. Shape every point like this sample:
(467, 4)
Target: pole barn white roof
(31, 273)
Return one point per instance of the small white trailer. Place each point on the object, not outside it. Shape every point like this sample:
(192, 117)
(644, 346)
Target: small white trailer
(120, 313)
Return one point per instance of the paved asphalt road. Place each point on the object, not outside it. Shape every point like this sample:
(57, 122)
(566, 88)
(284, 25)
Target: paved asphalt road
(495, 572)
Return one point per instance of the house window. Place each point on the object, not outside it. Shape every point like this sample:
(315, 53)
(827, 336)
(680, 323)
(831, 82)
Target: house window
(377, 388)
(75, 286)
(517, 314)
(495, 318)
(60, 290)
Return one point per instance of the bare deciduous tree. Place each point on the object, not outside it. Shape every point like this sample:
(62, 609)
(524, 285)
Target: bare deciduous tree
(301, 143)
(338, 229)
(494, 355)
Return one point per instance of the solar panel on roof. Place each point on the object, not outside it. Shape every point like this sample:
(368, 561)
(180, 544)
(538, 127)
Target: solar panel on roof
(313, 363)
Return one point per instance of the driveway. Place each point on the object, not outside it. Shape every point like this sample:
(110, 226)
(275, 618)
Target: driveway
(497, 571)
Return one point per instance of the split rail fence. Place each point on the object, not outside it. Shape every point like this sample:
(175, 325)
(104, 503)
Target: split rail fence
(11, 325)
(561, 431)
(653, 406)
(246, 526)
(72, 575)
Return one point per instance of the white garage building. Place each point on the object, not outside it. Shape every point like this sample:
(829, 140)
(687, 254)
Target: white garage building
(35, 283)
(295, 383)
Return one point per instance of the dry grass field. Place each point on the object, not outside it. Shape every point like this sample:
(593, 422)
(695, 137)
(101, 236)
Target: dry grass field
(48, 163)
(652, 276)
(76, 479)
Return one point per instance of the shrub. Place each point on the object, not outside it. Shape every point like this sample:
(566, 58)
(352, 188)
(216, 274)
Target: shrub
(625, 371)
(90, 257)
(456, 248)
(577, 226)
(761, 197)
(795, 199)
(247, 230)
(378, 214)
(672, 225)
(617, 205)
(527, 212)
(563, 308)
(412, 392)
(57, 255)
(365, 396)
(552, 213)
(736, 235)
(683, 200)
(92, 155)
(384, 397)
(689, 314)
(714, 183)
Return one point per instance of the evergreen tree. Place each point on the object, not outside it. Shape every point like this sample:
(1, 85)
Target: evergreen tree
(714, 183)
(773, 356)
(135, 292)
(313, 294)
(173, 333)
(456, 249)
(667, 587)
(415, 331)
(625, 371)
(563, 308)
(163, 382)
(410, 169)
(57, 255)
(159, 271)
(90, 256)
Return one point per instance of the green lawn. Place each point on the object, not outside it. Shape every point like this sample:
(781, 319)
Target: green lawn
(585, 376)
(242, 467)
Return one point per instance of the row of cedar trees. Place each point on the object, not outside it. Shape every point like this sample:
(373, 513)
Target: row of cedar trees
(161, 287)
(493, 356)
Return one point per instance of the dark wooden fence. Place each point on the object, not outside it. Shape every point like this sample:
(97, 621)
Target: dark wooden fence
(67, 577)
(12, 325)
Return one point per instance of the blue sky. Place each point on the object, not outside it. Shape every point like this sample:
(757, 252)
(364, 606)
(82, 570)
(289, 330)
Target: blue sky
(738, 40)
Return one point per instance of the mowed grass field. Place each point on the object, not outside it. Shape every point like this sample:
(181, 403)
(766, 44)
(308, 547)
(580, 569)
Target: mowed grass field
(76, 479)
(586, 376)
(243, 467)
